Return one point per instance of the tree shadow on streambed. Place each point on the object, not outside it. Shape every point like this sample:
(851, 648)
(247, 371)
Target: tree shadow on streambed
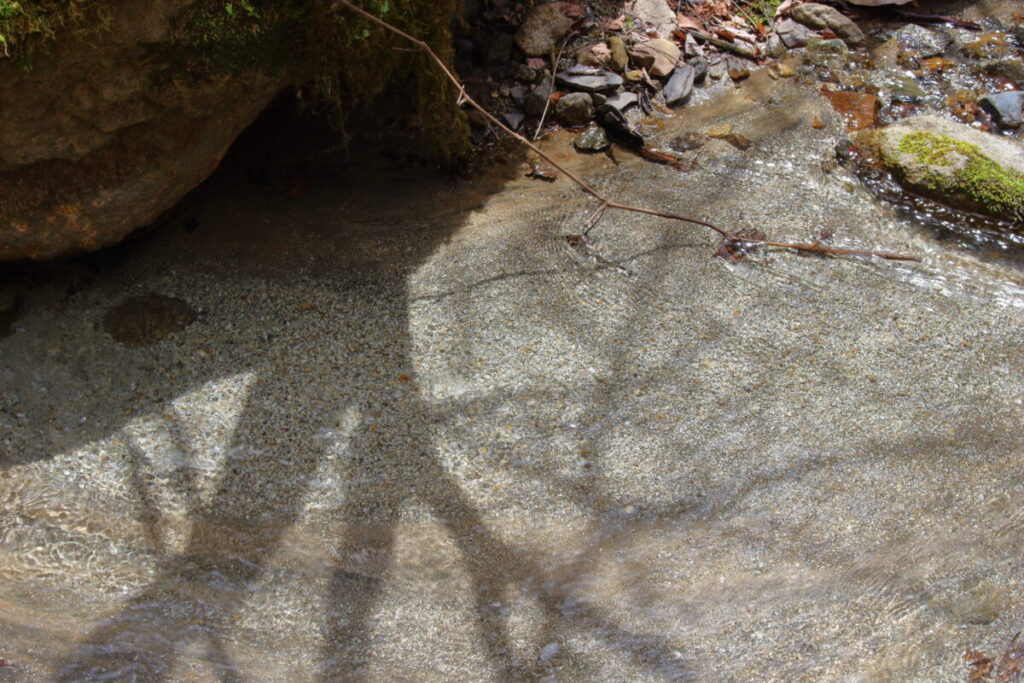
(197, 595)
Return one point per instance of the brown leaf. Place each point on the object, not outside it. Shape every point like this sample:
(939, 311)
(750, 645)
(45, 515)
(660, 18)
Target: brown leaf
(981, 666)
(615, 24)
(686, 21)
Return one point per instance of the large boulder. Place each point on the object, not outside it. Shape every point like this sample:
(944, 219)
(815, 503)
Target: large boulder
(99, 137)
(953, 163)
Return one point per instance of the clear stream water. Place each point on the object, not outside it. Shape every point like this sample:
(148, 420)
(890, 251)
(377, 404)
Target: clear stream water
(414, 434)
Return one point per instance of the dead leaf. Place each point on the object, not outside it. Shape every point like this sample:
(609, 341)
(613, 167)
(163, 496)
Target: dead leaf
(615, 24)
(686, 21)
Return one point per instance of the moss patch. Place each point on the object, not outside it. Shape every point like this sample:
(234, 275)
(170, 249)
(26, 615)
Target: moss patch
(27, 26)
(985, 184)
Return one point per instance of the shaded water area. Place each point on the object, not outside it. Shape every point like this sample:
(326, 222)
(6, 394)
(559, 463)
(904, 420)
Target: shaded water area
(389, 426)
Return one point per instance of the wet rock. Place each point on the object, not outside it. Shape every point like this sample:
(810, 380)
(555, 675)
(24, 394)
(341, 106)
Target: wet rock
(691, 48)
(688, 141)
(679, 85)
(824, 17)
(1011, 68)
(858, 110)
(656, 13)
(793, 34)
(775, 47)
(542, 28)
(658, 56)
(922, 41)
(906, 89)
(954, 164)
(739, 69)
(537, 99)
(622, 101)
(145, 320)
(1007, 108)
(587, 79)
(593, 139)
(619, 56)
(513, 119)
(574, 110)
(700, 68)
(597, 54)
(526, 74)
(832, 53)
(716, 67)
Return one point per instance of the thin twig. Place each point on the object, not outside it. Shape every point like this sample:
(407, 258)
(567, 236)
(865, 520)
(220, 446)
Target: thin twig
(732, 238)
(551, 87)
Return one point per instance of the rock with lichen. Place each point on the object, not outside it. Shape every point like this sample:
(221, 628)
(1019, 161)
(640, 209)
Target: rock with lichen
(954, 164)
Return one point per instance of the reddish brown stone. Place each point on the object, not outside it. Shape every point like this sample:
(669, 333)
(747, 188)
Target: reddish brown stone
(859, 110)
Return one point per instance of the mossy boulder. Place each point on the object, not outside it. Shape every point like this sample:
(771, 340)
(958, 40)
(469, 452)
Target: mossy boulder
(954, 164)
(112, 111)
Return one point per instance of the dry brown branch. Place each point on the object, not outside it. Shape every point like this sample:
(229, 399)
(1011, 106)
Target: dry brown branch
(733, 244)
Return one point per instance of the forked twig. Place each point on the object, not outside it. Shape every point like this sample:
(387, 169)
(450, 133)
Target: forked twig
(732, 243)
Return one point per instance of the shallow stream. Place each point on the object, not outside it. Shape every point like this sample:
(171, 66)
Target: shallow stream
(388, 426)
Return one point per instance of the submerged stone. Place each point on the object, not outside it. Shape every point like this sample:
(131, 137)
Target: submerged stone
(593, 139)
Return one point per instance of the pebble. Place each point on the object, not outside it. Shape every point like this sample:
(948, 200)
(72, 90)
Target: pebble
(623, 100)
(574, 110)
(679, 85)
(824, 17)
(793, 34)
(619, 57)
(596, 81)
(543, 27)
(1007, 108)
(597, 54)
(593, 139)
(925, 42)
(658, 56)
(537, 99)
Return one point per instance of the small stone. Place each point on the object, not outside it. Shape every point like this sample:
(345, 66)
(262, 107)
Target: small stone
(859, 110)
(792, 34)
(574, 110)
(548, 652)
(597, 54)
(1006, 108)
(679, 85)
(784, 69)
(145, 320)
(619, 57)
(738, 69)
(589, 80)
(517, 94)
(716, 67)
(922, 41)
(824, 17)
(656, 13)
(700, 68)
(658, 56)
(635, 75)
(775, 47)
(623, 100)
(513, 119)
(719, 130)
(525, 73)
(537, 99)
(543, 27)
(687, 142)
(905, 89)
(593, 139)
(691, 48)
(832, 54)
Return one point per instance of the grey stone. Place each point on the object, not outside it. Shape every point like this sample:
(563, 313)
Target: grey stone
(537, 99)
(518, 94)
(822, 16)
(792, 34)
(905, 89)
(922, 41)
(543, 27)
(679, 85)
(575, 109)
(656, 13)
(623, 100)
(525, 73)
(593, 139)
(775, 47)
(700, 68)
(1007, 108)
(513, 119)
(831, 53)
(589, 82)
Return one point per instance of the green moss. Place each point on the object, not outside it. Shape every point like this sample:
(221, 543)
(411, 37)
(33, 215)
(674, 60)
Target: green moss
(987, 185)
(28, 26)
